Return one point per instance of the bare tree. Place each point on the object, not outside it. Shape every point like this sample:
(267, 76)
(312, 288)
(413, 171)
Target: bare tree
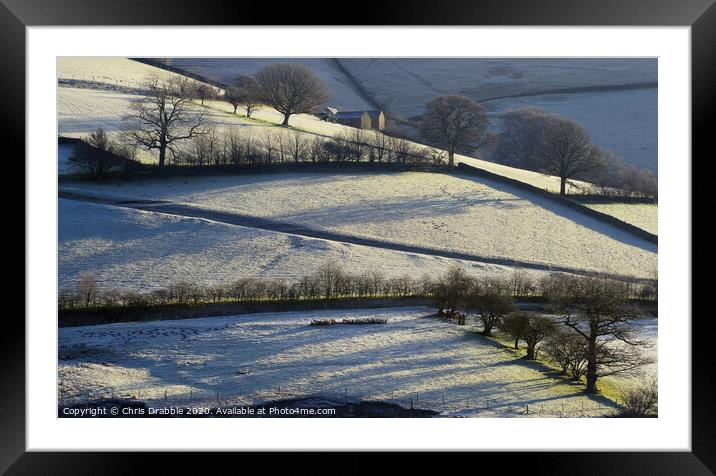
(520, 283)
(97, 153)
(450, 291)
(329, 277)
(641, 402)
(163, 118)
(87, 289)
(270, 141)
(490, 307)
(568, 153)
(515, 326)
(522, 135)
(569, 351)
(380, 143)
(297, 146)
(202, 92)
(232, 95)
(291, 89)
(454, 121)
(638, 182)
(530, 328)
(244, 90)
(599, 312)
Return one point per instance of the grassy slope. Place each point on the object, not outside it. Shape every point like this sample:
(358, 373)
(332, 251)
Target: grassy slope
(142, 251)
(448, 212)
(235, 356)
(82, 110)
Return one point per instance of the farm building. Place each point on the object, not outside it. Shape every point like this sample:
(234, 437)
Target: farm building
(361, 119)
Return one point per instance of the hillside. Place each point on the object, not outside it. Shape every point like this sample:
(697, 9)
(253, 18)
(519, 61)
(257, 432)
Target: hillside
(142, 251)
(82, 109)
(615, 99)
(441, 211)
(261, 357)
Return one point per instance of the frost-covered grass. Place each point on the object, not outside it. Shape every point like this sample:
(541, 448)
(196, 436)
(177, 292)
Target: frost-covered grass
(619, 384)
(110, 70)
(130, 249)
(643, 215)
(247, 358)
(226, 70)
(442, 211)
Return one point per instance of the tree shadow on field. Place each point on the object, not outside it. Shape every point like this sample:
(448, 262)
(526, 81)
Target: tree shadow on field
(565, 212)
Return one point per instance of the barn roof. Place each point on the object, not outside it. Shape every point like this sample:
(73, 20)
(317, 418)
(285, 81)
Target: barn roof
(356, 114)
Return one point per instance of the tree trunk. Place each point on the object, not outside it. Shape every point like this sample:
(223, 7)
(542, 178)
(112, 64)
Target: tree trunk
(592, 366)
(517, 343)
(451, 158)
(530, 352)
(285, 119)
(162, 155)
(235, 108)
(563, 185)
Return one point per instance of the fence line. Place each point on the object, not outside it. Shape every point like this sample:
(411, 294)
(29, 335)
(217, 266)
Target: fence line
(435, 400)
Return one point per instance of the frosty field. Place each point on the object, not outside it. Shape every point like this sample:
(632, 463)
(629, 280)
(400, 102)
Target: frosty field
(141, 251)
(247, 358)
(442, 211)
(643, 215)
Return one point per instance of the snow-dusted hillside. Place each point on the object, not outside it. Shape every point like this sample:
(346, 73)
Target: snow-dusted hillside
(82, 110)
(109, 70)
(141, 251)
(225, 70)
(255, 357)
(447, 212)
(616, 99)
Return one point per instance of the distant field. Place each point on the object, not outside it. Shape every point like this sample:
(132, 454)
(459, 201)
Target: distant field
(449, 212)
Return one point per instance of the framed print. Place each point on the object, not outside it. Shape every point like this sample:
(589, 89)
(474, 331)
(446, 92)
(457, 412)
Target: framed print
(413, 229)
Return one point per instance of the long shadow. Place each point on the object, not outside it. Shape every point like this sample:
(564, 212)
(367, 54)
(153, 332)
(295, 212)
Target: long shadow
(163, 365)
(566, 212)
(303, 230)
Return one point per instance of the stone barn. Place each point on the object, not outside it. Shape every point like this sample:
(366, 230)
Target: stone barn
(361, 119)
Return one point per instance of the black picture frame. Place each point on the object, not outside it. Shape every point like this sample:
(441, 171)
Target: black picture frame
(16, 15)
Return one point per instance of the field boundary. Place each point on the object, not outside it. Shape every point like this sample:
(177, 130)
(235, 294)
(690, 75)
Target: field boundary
(603, 217)
(85, 317)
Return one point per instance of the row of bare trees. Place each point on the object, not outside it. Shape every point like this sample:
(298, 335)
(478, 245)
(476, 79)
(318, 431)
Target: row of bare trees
(277, 145)
(330, 281)
(590, 330)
